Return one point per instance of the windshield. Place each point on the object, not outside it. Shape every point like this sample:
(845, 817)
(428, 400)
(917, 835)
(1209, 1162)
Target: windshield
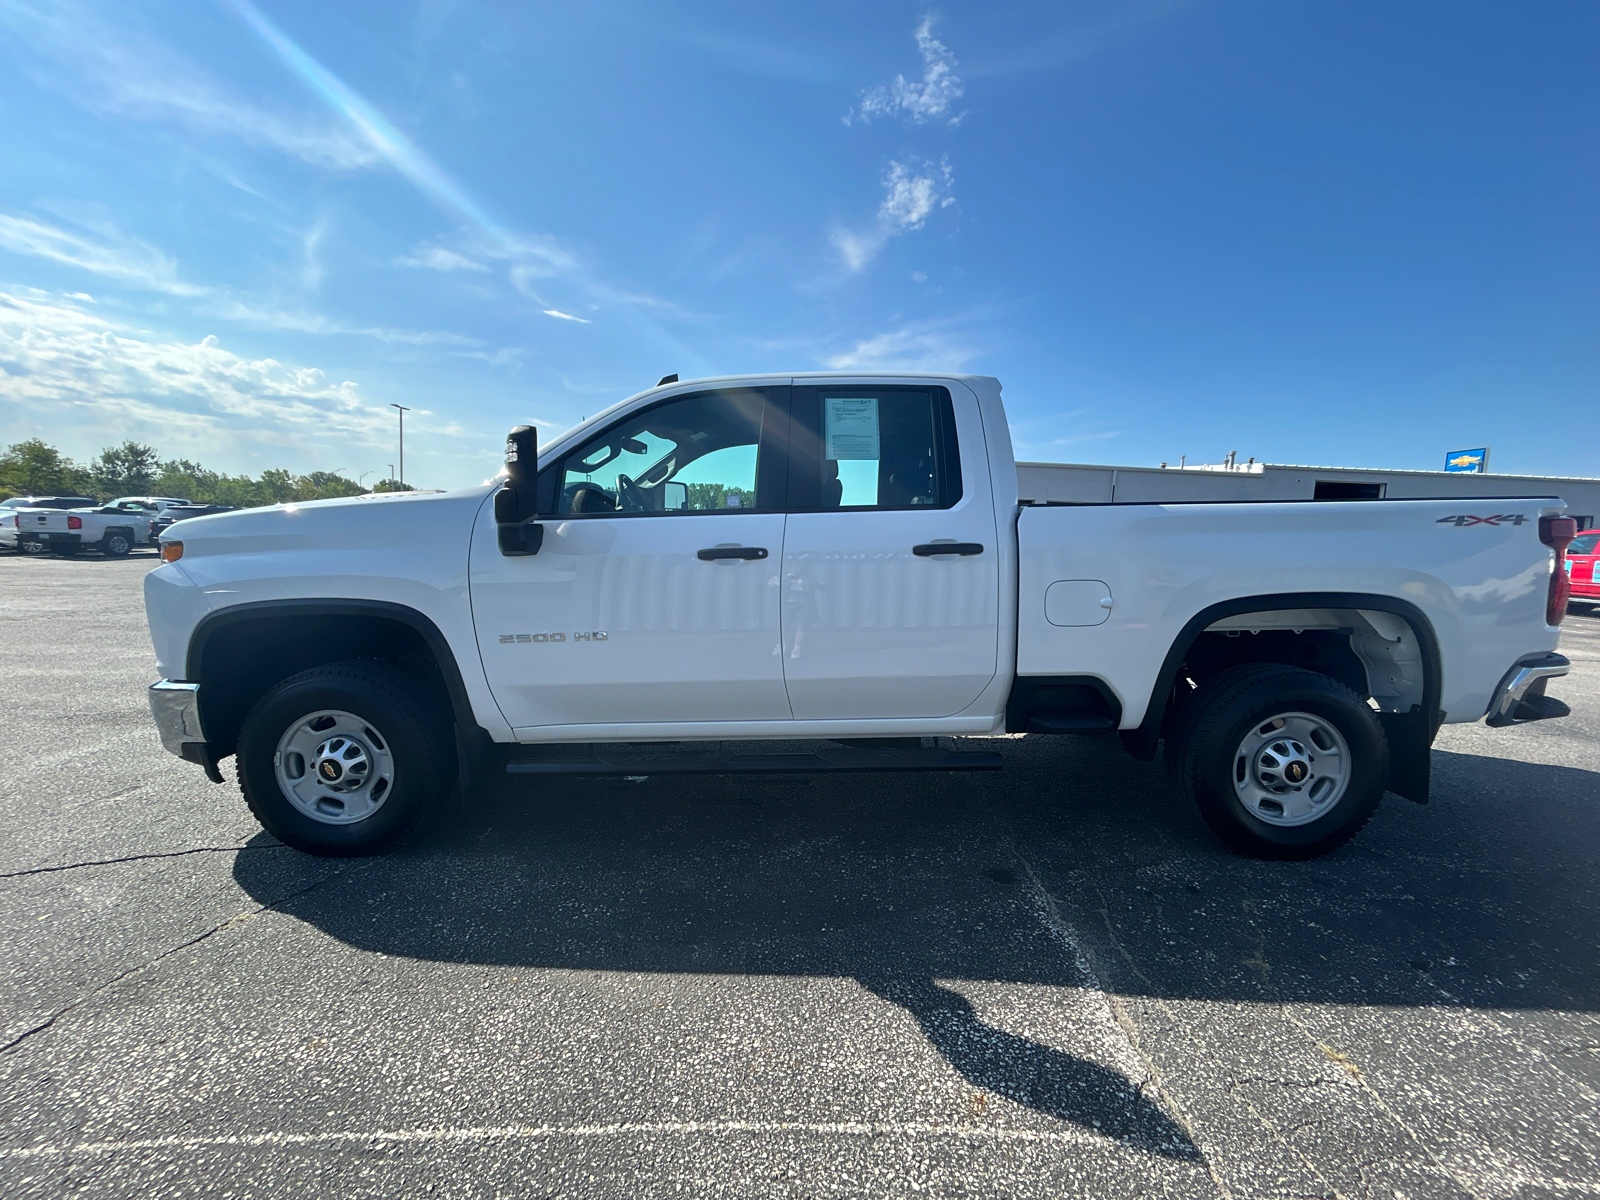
(1584, 543)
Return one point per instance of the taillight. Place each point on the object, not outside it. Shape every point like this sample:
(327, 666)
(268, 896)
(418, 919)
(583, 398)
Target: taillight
(1557, 533)
(74, 522)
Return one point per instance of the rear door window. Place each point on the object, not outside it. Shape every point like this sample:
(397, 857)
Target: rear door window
(873, 448)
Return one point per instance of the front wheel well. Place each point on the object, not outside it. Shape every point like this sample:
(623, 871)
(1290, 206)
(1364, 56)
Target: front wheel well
(236, 662)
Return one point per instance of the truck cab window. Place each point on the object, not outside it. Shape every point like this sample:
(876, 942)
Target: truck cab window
(874, 448)
(695, 454)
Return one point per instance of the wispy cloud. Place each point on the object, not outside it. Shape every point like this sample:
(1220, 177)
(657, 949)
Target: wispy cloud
(917, 346)
(1059, 47)
(140, 266)
(292, 320)
(911, 192)
(437, 258)
(118, 71)
(532, 257)
(555, 312)
(927, 99)
(105, 380)
(124, 259)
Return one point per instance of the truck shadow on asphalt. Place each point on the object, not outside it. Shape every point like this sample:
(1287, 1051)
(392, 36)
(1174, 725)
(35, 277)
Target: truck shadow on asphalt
(1072, 869)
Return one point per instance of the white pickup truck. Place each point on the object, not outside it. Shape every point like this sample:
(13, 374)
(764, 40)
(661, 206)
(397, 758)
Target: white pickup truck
(113, 530)
(834, 573)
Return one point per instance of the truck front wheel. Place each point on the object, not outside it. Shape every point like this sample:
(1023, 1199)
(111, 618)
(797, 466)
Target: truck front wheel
(342, 759)
(1280, 763)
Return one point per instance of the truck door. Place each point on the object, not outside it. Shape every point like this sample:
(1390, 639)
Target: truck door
(654, 597)
(878, 620)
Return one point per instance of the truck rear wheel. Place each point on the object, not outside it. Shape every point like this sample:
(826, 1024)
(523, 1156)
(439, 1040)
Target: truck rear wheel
(342, 759)
(1280, 763)
(116, 543)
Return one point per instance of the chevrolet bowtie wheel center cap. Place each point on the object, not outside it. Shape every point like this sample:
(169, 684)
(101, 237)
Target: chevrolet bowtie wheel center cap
(1283, 764)
(342, 763)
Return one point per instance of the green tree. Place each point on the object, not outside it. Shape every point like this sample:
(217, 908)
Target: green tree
(324, 485)
(125, 470)
(189, 480)
(238, 491)
(392, 485)
(276, 487)
(36, 468)
(714, 495)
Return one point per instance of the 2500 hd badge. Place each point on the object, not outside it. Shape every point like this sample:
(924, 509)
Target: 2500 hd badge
(506, 638)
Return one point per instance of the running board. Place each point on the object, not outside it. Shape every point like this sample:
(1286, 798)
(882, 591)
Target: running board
(840, 759)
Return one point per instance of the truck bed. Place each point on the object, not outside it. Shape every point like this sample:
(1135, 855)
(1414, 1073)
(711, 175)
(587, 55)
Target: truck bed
(1106, 589)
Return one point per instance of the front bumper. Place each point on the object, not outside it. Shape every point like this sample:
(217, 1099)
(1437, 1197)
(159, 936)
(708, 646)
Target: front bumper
(176, 708)
(1520, 697)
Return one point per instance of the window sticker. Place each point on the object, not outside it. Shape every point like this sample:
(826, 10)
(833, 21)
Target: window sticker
(852, 427)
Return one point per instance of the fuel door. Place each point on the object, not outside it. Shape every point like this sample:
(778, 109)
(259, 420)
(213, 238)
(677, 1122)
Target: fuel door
(1077, 602)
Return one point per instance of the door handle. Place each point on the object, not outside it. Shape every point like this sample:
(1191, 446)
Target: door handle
(745, 552)
(928, 549)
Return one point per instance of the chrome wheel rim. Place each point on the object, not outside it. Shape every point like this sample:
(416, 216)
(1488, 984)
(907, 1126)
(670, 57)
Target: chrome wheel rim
(119, 545)
(1291, 769)
(334, 767)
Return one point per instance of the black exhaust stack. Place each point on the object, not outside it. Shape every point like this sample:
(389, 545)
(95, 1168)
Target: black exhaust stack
(516, 504)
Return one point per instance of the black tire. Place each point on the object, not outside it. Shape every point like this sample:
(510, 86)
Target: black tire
(116, 543)
(1211, 726)
(408, 729)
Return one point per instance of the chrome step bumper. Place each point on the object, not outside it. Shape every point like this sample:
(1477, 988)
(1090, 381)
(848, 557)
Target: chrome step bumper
(1520, 697)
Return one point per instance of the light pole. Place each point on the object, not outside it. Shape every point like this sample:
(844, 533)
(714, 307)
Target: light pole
(403, 411)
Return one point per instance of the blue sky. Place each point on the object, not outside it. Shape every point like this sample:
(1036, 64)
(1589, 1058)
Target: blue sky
(1340, 233)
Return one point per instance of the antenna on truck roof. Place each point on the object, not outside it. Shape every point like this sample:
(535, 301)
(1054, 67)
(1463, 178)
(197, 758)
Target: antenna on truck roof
(666, 379)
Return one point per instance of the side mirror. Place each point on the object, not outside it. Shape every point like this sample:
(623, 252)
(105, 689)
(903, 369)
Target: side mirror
(674, 496)
(516, 504)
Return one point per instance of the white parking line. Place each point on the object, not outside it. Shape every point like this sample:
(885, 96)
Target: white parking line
(491, 1133)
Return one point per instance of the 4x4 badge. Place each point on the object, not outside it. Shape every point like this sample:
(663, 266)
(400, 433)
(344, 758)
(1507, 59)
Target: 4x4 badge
(1508, 519)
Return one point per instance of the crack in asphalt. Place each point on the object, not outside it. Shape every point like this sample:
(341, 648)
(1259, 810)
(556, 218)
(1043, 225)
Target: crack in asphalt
(1047, 911)
(107, 862)
(230, 923)
(1261, 1118)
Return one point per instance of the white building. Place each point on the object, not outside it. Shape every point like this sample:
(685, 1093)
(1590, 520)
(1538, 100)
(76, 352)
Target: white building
(1079, 483)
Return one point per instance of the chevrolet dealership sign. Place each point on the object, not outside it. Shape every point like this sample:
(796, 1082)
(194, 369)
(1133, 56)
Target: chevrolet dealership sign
(1474, 462)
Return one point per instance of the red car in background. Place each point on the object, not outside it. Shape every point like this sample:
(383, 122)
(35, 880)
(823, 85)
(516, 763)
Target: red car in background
(1582, 556)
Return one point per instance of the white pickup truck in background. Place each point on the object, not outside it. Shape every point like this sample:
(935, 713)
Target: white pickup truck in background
(834, 573)
(113, 530)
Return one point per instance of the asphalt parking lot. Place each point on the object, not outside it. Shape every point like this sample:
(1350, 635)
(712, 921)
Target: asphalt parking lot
(1043, 982)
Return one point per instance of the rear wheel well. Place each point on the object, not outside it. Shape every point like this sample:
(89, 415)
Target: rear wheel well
(1325, 651)
(238, 662)
(1381, 656)
(1391, 639)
